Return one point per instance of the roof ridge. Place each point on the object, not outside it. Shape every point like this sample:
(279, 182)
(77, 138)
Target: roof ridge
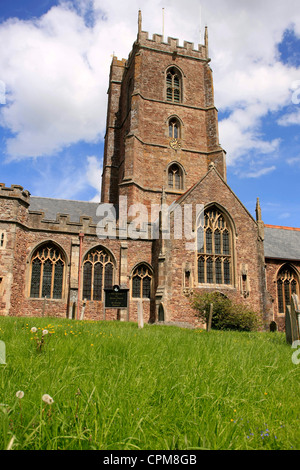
(61, 199)
(281, 227)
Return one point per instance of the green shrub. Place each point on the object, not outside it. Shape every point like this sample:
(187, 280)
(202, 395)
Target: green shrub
(226, 314)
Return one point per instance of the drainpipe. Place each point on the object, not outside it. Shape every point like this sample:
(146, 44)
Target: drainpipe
(81, 237)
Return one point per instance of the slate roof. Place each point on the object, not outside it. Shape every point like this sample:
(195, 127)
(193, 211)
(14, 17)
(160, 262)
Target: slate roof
(282, 242)
(52, 207)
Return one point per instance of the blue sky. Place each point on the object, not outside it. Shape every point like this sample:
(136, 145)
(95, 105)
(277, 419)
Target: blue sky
(54, 66)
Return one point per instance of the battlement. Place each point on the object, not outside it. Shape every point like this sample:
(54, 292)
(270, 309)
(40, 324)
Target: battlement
(172, 45)
(15, 192)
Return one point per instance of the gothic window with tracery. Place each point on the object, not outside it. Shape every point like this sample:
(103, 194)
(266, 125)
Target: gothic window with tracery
(98, 273)
(141, 282)
(173, 85)
(47, 272)
(287, 284)
(174, 128)
(175, 177)
(214, 249)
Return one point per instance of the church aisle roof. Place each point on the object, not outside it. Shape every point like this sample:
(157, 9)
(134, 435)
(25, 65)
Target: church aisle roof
(75, 209)
(282, 242)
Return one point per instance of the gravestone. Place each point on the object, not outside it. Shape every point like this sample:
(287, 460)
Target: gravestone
(297, 310)
(291, 320)
(209, 320)
(273, 326)
(2, 353)
(140, 314)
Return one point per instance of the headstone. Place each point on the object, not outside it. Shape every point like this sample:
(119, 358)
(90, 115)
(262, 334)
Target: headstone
(209, 320)
(140, 314)
(273, 326)
(291, 321)
(2, 353)
(297, 310)
(83, 309)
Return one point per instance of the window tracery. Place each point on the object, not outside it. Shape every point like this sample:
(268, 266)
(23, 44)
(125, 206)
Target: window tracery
(141, 282)
(98, 273)
(47, 272)
(173, 85)
(287, 284)
(214, 250)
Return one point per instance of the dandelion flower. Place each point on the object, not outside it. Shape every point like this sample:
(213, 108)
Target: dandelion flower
(20, 394)
(47, 399)
(33, 329)
(45, 332)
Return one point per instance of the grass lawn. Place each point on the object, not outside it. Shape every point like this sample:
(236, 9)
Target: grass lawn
(158, 388)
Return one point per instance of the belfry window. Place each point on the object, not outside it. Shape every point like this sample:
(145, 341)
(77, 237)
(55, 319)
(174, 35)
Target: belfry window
(287, 284)
(214, 249)
(47, 271)
(98, 272)
(173, 85)
(175, 177)
(141, 282)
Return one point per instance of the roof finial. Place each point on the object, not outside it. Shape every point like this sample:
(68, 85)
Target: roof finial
(139, 24)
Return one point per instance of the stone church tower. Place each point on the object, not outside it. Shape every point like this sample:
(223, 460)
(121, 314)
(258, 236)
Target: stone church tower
(162, 124)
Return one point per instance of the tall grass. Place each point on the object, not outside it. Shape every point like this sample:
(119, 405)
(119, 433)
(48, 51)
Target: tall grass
(115, 386)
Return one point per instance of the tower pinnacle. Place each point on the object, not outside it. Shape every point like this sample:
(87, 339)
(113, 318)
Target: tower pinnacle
(139, 24)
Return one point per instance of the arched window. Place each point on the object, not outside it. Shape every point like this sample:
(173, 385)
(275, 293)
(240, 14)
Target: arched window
(98, 272)
(47, 270)
(174, 129)
(287, 284)
(175, 177)
(141, 282)
(214, 249)
(173, 85)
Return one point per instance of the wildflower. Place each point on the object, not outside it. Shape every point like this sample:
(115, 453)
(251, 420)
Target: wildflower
(47, 399)
(45, 332)
(20, 394)
(33, 329)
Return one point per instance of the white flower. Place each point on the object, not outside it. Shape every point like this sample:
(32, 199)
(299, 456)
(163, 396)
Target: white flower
(44, 332)
(33, 329)
(47, 399)
(20, 394)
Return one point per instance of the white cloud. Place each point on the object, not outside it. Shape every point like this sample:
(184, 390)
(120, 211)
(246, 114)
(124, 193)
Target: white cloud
(56, 68)
(290, 118)
(93, 175)
(258, 172)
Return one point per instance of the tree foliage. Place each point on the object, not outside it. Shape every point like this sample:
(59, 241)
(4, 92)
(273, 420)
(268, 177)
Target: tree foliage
(227, 315)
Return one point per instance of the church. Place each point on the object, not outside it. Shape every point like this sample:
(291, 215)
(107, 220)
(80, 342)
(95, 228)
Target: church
(168, 224)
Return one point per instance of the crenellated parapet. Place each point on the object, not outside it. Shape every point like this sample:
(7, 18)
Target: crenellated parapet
(15, 192)
(62, 223)
(171, 46)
